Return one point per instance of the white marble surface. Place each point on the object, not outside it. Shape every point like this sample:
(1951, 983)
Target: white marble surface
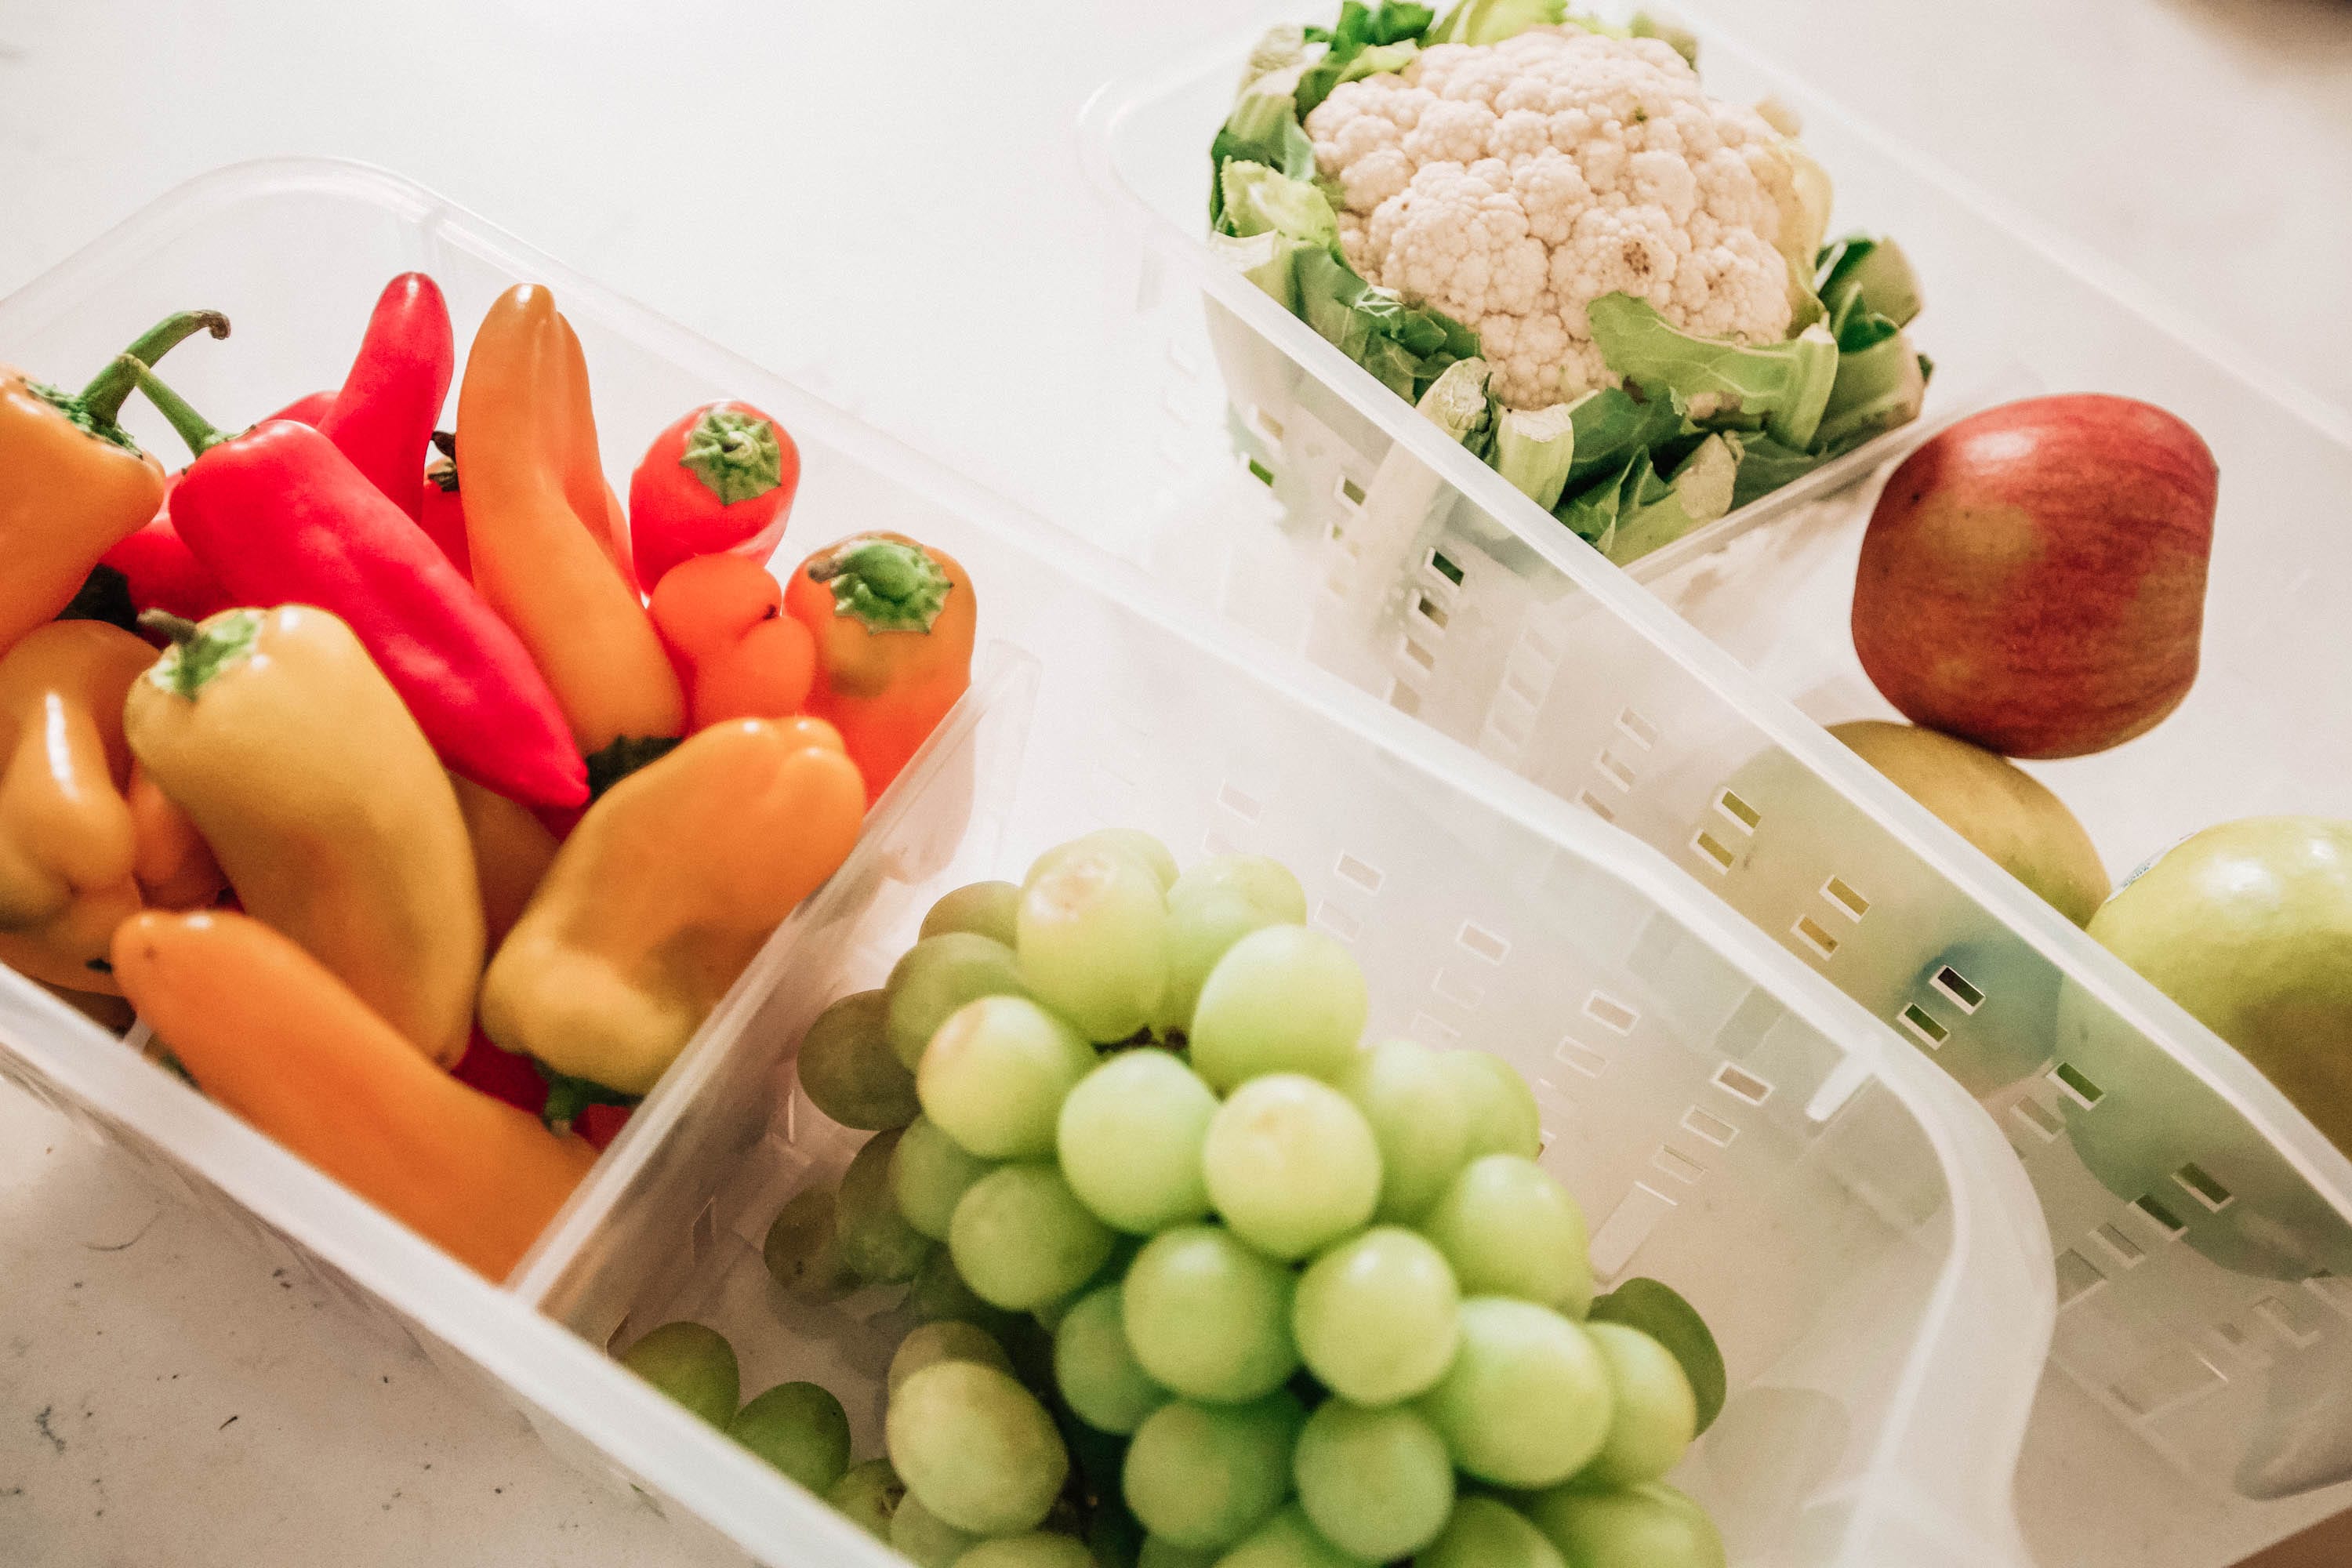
(886, 204)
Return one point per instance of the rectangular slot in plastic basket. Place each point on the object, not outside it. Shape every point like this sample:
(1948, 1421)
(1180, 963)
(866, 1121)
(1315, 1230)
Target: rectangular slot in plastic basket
(1681, 700)
(1851, 1223)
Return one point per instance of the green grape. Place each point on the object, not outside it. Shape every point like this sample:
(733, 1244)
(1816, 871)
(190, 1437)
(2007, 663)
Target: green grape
(1207, 1318)
(1159, 1553)
(983, 909)
(1414, 1106)
(800, 1429)
(1527, 1402)
(935, 977)
(1509, 1229)
(850, 1072)
(1377, 1484)
(939, 1295)
(1502, 1107)
(1206, 1475)
(1266, 885)
(929, 1174)
(1658, 1312)
(976, 1447)
(878, 1245)
(1097, 1373)
(1653, 1525)
(802, 1250)
(1656, 1413)
(1485, 1532)
(693, 1364)
(1036, 1549)
(1212, 906)
(1129, 1139)
(1021, 1237)
(1133, 842)
(925, 1540)
(867, 1494)
(1375, 1317)
(948, 1340)
(1291, 1165)
(995, 1075)
(1283, 999)
(1288, 1540)
(1094, 942)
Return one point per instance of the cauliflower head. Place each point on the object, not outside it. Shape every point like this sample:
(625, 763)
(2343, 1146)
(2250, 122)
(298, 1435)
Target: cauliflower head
(1511, 184)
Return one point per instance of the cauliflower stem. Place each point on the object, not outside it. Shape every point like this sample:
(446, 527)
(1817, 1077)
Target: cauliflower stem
(1639, 267)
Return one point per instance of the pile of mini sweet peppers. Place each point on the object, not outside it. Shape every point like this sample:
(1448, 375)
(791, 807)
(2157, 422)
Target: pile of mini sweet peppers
(354, 759)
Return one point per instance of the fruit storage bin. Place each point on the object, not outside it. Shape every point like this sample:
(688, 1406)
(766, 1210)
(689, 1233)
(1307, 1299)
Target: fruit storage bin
(1853, 1225)
(2205, 1401)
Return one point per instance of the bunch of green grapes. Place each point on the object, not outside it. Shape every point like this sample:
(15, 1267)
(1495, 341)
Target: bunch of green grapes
(1204, 1279)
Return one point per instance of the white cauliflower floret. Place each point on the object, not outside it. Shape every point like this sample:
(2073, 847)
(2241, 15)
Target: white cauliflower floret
(1510, 184)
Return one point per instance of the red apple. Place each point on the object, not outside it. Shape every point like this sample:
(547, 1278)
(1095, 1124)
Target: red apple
(2034, 578)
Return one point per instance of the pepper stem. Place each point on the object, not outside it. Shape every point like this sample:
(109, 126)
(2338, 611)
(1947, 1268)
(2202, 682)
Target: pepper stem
(890, 584)
(199, 653)
(103, 397)
(190, 425)
(179, 628)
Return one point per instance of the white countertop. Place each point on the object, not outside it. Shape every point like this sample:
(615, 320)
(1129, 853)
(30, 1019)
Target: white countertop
(885, 205)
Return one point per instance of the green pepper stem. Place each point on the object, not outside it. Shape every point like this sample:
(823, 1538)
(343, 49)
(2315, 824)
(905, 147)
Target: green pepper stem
(190, 425)
(889, 584)
(103, 397)
(179, 628)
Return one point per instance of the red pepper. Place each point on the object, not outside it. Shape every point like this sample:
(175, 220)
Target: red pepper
(382, 418)
(280, 516)
(443, 517)
(156, 564)
(722, 478)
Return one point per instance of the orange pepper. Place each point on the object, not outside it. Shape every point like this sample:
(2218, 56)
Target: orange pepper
(266, 1030)
(72, 483)
(540, 527)
(68, 847)
(721, 618)
(664, 894)
(513, 850)
(175, 868)
(894, 622)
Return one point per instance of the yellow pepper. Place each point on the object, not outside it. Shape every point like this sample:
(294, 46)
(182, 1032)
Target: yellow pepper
(67, 848)
(325, 806)
(664, 894)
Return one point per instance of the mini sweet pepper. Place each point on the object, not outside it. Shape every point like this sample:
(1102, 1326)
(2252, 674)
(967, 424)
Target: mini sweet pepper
(894, 622)
(540, 524)
(269, 1032)
(69, 847)
(72, 482)
(295, 759)
(665, 892)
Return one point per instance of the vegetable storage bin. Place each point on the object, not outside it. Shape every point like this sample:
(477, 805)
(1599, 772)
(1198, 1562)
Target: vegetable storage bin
(1868, 1252)
(2204, 1401)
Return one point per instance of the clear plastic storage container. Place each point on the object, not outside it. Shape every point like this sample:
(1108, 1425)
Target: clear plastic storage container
(1851, 1223)
(2206, 1406)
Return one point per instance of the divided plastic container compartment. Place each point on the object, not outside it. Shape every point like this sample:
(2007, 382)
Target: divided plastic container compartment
(1852, 1225)
(2206, 1403)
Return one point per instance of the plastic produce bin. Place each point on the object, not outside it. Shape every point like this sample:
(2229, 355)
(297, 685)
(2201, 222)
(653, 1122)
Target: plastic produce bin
(2200, 1220)
(1853, 1225)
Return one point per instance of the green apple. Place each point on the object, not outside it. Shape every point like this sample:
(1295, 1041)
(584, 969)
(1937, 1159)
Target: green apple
(2249, 926)
(1994, 804)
